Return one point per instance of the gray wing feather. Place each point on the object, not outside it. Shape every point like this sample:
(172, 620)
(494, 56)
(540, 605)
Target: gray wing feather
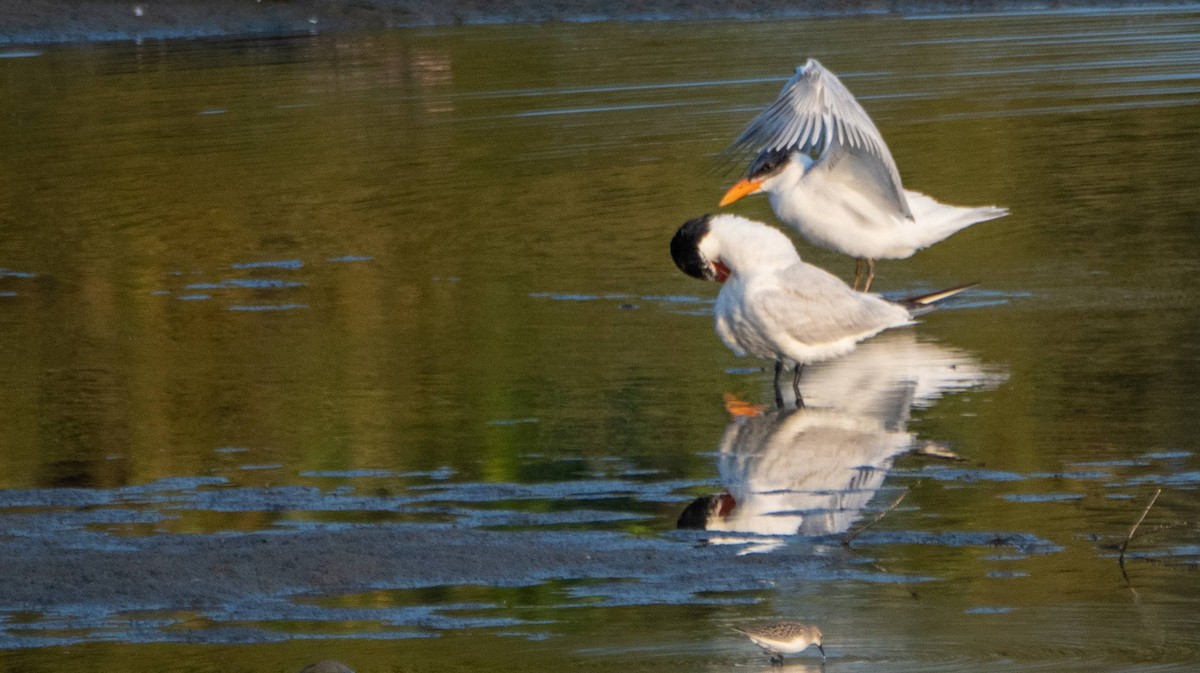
(816, 114)
(817, 307)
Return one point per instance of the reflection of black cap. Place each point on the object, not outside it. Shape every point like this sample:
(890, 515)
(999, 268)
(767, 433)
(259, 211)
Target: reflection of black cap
(701, 510)
(685, 248)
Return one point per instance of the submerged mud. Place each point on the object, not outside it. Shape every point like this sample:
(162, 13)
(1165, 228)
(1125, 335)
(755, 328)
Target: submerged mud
(74, 573)
(86, 585)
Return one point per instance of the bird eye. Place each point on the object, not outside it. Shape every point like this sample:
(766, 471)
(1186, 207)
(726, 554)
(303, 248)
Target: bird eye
(766, 163)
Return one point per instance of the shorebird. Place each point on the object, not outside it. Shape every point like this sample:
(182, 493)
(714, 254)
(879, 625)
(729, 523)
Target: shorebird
(829, 174)
(774, 306)
(784, 637)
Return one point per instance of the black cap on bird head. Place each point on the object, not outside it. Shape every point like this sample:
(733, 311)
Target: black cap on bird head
(768, 162)
(685, 248)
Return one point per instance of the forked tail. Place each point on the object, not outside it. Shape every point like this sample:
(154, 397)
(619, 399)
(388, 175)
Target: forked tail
(922, 304)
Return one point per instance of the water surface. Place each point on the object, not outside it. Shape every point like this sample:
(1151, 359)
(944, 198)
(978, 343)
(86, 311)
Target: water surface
(369, 347)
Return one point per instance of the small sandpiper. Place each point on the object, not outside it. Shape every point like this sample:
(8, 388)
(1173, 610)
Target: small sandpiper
(785, 637)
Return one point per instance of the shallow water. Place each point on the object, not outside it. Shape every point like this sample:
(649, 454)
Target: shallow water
(368, 347)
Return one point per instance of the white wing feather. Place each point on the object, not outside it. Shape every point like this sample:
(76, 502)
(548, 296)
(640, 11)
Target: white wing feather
(815, 114)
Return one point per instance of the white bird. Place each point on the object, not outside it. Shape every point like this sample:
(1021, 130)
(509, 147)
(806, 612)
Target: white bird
(829, 175)
(773, 305)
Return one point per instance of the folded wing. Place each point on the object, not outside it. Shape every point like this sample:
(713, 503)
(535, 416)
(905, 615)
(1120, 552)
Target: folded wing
(815, 307)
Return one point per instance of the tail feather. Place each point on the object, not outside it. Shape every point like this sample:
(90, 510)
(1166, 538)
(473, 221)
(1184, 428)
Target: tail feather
(938, 221)
(925, 303)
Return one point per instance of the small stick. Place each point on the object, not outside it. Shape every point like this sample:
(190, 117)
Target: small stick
(876, 565)
(850, 538)
(859, 531)
(1132, 531)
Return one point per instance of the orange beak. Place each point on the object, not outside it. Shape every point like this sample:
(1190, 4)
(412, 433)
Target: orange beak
(739, 189)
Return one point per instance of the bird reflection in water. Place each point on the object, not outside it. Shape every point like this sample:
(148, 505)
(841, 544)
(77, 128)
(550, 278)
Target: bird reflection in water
(811, 471)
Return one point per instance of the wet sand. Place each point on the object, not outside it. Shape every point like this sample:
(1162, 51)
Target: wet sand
(48, 21)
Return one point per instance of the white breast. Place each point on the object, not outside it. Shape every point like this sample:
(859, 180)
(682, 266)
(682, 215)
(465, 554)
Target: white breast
(833, 217)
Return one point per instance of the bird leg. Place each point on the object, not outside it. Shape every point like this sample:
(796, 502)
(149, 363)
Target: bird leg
(776, 659)
(858, 265)
(796, 385)
(870, 274)
(778, 392)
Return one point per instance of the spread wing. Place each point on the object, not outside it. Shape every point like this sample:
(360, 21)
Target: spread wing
(816, 307)
(815, 114)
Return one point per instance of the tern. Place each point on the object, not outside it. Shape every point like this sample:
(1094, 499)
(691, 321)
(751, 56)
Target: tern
(829, 175)
(774, 306)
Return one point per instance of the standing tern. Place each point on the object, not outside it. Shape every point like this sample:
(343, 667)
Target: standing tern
(774, 306)
(829, 175)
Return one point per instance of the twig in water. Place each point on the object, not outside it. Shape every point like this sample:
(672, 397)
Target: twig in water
(1125, 544)
(876, 565)
(859, 531)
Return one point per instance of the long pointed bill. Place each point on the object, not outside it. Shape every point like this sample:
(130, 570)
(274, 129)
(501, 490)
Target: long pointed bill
(739, 189)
